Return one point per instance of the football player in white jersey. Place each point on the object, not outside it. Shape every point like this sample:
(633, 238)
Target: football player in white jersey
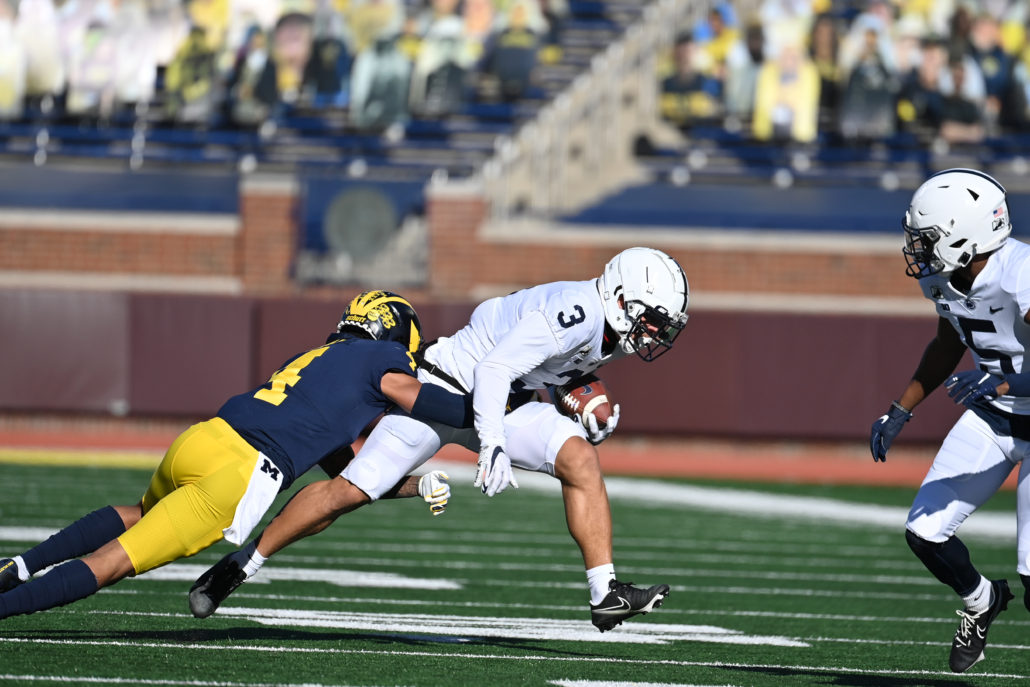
(956, 245)
(513, 345)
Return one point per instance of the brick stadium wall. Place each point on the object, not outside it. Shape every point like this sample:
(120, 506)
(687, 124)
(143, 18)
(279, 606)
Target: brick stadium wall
(765, 370)
(469, 255)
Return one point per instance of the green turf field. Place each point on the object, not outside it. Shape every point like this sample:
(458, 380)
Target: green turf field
(800, 590)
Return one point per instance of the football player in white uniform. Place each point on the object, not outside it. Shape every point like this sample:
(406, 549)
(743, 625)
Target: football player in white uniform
(526, 341)
(956, 232)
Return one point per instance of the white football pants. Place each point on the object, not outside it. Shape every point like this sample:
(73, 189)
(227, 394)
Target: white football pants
(534, 433)
(970, 467)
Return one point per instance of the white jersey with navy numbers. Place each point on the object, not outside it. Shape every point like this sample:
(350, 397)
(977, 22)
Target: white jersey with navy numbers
(989, 319)
(540, 336)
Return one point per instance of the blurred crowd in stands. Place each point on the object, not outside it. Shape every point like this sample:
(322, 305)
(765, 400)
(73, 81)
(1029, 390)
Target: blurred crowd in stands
(236, 62)
(953, 71)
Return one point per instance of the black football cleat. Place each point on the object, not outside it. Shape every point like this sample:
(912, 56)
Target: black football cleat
(215, 586)
(967, 649)
(1026, 590)
(625, 601)
(8, 575)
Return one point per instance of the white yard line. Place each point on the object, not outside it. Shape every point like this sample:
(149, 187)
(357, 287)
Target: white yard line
(464, 656)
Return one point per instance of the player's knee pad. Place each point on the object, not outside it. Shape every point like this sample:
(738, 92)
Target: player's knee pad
(948, 561)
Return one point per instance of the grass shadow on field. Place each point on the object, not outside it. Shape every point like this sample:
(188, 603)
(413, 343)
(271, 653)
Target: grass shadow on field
(852, 680)
(241, 635)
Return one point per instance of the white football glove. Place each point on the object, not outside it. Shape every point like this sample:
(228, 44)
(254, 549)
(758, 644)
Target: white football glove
(595, 434)
(493, 473)
(433, 487)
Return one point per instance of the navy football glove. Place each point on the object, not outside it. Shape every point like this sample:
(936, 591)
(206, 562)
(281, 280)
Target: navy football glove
(885, 428)
(972, 386)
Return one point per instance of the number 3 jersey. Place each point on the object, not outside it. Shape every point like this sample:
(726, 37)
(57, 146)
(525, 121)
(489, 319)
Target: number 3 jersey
(530, 339)
(989, 319)
(317, 403)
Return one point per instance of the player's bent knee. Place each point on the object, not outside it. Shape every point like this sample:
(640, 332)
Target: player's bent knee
(577, 462)
(344, 496)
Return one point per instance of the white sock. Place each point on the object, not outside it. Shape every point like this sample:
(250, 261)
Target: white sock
(23, 572)
(598, 579)
(980, 599)
(249, 560)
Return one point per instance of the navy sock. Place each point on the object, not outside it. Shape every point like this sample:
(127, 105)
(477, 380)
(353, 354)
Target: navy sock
(85, 535)
(62, 585)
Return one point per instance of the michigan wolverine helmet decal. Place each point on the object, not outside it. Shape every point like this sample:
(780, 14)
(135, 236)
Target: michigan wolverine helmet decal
(384, 316)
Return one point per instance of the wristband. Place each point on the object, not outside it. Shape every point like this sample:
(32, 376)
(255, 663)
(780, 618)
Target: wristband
(1019, 384)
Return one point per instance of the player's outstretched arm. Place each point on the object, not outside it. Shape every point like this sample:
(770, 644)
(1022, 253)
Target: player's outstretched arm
(427, 401)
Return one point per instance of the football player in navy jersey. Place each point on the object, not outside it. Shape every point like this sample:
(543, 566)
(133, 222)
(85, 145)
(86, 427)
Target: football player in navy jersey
(220, 476)
(956, 244)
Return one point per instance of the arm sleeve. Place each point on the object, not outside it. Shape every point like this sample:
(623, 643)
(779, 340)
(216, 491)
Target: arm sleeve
(526, 345)
(436, 404)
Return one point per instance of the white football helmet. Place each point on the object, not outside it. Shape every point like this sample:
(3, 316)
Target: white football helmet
(645, 294)
(955, 215)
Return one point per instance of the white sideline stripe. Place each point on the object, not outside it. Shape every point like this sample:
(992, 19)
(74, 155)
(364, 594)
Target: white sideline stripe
(465, 656)
(609, 683)
(548, 629)
(753, 503)
(144, 681)
(905, 642)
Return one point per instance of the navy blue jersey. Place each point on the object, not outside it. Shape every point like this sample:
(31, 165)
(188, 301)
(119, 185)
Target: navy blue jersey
(317, 403)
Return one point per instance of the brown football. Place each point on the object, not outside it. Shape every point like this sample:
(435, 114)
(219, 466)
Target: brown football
(582, 397)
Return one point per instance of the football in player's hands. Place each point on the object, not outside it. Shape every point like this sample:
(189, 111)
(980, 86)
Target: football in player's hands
(582, 397)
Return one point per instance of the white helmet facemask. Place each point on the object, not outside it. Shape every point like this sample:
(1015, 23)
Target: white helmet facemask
(645, 295)
(954, 216)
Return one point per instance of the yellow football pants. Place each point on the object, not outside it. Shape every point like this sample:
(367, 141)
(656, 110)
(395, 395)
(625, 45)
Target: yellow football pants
(192, 496)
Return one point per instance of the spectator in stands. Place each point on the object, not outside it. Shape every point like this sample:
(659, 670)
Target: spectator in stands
(556, 14)
(190, 80)
(921, 102)
(787, 97)
(39, 33)
(716, 38)
(688, 96)
(12, 66)
(742, 66)
(213, 16)
(511, 53)
(291, 50)
(868, 110)
(136, 61)
(995, 65)
(370, 20)
(824, 50)
(326, 79)
(440, 75)
(252, 86)
(380, 82)
(92, 71)
(478, 16)
(961, 118)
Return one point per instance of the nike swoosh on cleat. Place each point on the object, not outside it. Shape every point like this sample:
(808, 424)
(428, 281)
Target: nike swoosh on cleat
(623, 606)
